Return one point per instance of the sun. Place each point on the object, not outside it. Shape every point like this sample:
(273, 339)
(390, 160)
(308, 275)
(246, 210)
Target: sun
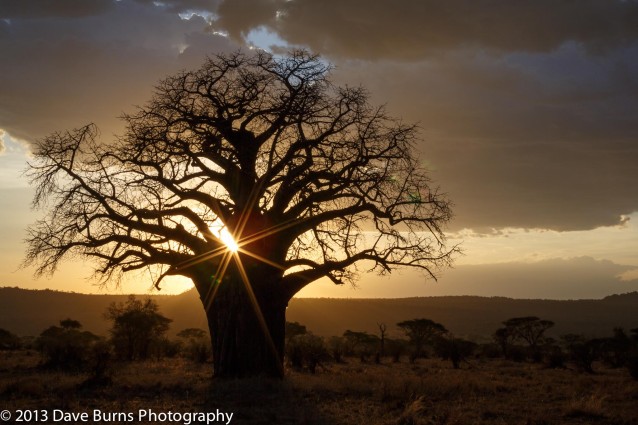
(219, 229)
(228, 240)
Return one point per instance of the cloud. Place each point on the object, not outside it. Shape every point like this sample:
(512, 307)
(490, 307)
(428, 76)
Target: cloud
(409, 29)
(525, 140)
(527, 109)
(34, 9)
(556, 278)
(63, 72)
(2, 146)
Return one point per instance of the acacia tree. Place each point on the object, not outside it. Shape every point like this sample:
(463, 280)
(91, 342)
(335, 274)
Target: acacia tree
(253, 176)
(421, 332)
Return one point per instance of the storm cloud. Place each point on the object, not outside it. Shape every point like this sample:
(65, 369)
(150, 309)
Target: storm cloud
(409, 29)
(61, 70)
(526, 108)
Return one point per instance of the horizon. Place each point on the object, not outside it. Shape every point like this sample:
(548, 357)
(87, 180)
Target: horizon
(530, 133)
(192, 290)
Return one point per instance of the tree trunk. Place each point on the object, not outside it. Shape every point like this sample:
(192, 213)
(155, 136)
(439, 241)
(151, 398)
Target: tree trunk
(247, 332)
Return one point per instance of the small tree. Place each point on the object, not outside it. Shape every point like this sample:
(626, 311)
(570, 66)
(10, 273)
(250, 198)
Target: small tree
(421, 332)
(66, 347)
(295, 328)
(382, 332)
(529, 329)
(361, 344)
(504, 338)
(137, 326)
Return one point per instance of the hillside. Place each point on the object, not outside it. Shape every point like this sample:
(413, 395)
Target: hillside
(28, 312)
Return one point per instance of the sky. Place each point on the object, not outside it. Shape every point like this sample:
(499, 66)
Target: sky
(526, 112)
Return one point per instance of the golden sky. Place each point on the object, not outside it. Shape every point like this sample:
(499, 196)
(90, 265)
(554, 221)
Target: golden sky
(527, 115)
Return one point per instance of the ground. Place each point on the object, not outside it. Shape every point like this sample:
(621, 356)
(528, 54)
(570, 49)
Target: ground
(428, 392)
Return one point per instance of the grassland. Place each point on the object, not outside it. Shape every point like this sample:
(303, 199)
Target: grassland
(427, 392)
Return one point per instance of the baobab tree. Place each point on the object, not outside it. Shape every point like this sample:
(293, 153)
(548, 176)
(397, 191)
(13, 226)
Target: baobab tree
(253, 176)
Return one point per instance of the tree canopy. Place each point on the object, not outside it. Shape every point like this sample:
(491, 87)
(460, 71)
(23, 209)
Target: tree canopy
(254, 144)
(253, 169)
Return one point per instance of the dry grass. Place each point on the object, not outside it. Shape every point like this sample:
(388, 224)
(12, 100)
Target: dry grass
(430, 392)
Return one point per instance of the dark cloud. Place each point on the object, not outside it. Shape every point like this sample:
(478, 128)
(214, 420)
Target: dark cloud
(524, 140)
(541, 134)
(527, 107)
(183, 5)
(34, 9)
(62, 73)
(411, 29)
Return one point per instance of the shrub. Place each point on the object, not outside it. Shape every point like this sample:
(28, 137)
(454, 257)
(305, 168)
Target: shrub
(138, 328)
(197, 344)
(9, 341)
(454, 349)
(66, 347)
(307, 351)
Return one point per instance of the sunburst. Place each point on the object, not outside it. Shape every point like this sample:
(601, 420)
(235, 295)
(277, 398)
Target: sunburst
(230, 251)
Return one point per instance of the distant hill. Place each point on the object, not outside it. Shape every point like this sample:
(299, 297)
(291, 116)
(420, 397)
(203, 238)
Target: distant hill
(28, 312)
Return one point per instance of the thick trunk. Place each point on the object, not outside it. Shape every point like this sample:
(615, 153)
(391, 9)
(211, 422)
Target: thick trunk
(247, 330)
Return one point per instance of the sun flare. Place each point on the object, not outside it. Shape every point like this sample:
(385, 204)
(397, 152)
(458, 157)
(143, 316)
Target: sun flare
(228, 240)
(221, 231)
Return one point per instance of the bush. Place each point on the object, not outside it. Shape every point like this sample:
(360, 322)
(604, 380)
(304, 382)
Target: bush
(138, 328)
(554, 357)
(9, 341)
(582, 351)
(396, 348)
(197, 344)
(337, 347)
(307, 351)
(454, 349)
(67, 347)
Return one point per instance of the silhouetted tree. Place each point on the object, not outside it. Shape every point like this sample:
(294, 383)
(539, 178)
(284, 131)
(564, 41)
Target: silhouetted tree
(295, 328)
(529, 329)
(261, 149)
(421, 332)
(583, 351)
(66, 347)
(504, 338)
(361, 344)
(70, 324)
(382, 331)
(337, 348)
(137, 326)
(615, 350)
(454, 349)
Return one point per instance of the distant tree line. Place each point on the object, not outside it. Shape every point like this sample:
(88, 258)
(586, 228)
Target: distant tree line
(519, 339)
(138, 332)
